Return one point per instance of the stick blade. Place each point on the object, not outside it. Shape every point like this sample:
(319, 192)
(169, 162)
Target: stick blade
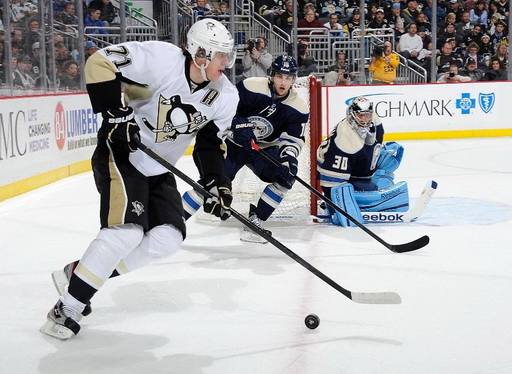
(376, 298)
(411, 246)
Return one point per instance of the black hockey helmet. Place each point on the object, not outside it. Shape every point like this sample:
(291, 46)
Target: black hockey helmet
(285, 65)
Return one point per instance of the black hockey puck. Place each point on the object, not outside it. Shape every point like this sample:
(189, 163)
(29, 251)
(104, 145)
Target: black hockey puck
(312, 321)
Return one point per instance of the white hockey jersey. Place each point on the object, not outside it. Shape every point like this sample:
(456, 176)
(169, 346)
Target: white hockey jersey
(169, 113)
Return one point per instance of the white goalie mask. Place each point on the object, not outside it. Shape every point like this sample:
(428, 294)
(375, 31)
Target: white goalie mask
(360, 115)
(206, 38)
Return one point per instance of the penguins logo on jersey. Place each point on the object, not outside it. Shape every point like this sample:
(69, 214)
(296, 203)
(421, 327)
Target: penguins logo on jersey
(176, 118)
(262, 126)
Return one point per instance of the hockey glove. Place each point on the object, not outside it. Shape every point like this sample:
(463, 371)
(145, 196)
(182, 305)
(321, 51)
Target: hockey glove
(243, 132)
(285, 174)
(219, 203)
(122, 129)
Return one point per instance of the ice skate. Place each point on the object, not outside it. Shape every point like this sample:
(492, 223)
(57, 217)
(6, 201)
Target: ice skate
(62, 322)
(61, 281)
(251, 236)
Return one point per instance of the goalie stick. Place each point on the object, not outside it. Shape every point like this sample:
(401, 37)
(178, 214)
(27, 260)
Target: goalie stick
(397, 248)
(358, 297)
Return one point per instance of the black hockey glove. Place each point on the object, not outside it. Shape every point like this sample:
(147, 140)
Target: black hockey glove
(122, 129)
(219, 203)
(285, 173)
(243, 133)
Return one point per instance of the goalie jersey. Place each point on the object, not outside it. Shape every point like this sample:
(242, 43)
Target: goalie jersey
(170, 110)
(276, 123)
(344, 154)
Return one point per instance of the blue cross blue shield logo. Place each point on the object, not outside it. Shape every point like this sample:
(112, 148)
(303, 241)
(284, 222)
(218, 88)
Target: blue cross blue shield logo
(486, 101)
(465, 103)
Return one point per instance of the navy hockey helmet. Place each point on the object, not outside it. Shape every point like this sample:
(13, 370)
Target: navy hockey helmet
(285, 65)
(360, 112)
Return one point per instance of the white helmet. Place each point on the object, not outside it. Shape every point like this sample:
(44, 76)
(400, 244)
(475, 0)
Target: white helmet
(360, 112)
(207, 37)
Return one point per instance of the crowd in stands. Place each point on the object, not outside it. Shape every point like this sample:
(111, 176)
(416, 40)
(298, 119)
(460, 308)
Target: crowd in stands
(472, 35)
(468, 31)
(28, 38)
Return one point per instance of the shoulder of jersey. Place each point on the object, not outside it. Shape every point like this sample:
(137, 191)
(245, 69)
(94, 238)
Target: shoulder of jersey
(296, 101)
(257, 85)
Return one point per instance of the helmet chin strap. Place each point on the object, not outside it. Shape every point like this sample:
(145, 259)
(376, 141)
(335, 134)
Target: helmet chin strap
(202, 68)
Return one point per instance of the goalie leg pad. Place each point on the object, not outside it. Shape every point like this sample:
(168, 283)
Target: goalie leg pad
(392, 199)
(343, 196)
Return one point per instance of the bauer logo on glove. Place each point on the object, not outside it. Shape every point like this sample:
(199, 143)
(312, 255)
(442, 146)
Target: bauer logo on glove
(122, 130)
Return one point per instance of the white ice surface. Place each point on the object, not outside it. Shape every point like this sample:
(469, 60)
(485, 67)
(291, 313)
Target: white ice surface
(221, 306)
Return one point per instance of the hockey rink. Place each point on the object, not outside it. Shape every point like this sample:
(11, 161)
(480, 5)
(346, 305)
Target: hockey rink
(222, 306)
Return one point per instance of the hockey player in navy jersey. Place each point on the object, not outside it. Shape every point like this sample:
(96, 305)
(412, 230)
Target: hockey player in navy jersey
(274, 115)
(355, 168)
(176, 96)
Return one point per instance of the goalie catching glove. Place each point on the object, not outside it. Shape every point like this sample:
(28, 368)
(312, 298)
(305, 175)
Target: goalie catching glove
(122, 130)
(221, 197)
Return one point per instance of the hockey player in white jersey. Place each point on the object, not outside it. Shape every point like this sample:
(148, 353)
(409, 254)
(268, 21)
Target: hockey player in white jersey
(175, 96)
(274, 115)
(356, 169)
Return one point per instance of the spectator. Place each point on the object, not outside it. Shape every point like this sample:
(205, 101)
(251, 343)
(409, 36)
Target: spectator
(448, 34)
(393, 16)
(90, 49)
(491, 27)
(475, 35)
(36, 59)
(503, 6)
(93, 24)
(446, 59)
(422, 21)
(441, 13)
(502, 54)
(472, 53)
(61, 56)
(399, 30)
(202, 9)
(472, 71)
(354, 22)
(67, 16)
(285, 21)
(486, 48)
(499, 35)
(309, 22)
(256, 60)
(478, 15)
(70, 80)
(340, 63)
(456, 8)
(453, 76)
(330, 7)
(464, 26)
(411, 44)
(334, 26)
(384, 65)
(109, 14)
(272, 10)
(496, 71)
(338, 77)
(410, 13)
(22, 74)
(307, 64)
(223, 12)
(379, 22)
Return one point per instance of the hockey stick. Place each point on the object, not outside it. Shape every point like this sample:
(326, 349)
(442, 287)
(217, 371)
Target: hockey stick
(398, 248)
(418, 208)
(358, 297)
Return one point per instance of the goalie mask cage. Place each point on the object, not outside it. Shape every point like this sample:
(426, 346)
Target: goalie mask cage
(298, 203)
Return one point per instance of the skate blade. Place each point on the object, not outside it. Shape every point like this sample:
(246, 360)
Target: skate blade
(60, 332)
(249, 237)
(60, 281)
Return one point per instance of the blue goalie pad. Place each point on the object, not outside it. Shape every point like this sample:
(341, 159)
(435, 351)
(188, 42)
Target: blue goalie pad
(343, 196)
(391, 199)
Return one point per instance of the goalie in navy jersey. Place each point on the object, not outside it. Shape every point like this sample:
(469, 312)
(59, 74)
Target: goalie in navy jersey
(274, 115)
(355, 168)
(173, 97)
